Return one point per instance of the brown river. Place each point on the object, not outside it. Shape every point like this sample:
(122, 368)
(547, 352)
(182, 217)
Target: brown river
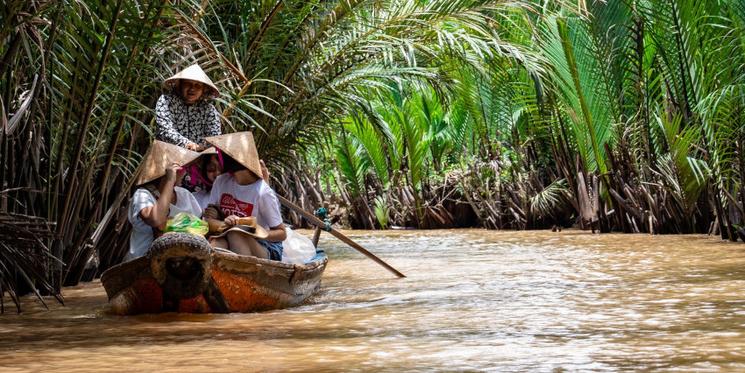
(474, 300)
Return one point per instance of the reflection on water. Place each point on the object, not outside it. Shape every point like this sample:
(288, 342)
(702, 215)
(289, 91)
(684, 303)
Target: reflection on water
(473, 300)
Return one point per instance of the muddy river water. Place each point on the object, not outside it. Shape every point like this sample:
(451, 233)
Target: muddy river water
(473, 300)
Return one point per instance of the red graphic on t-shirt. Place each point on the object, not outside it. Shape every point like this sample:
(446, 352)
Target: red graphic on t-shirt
(232, 206)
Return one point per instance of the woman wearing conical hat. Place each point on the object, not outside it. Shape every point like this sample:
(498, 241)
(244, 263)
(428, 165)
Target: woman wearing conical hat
(185, 115)
(241, 192)
(158, 196)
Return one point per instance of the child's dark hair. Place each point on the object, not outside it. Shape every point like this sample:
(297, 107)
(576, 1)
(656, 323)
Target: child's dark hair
(230, 164)
(205, 162)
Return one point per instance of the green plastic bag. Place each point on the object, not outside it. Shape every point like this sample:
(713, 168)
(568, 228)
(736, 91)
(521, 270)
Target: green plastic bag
(187, 223)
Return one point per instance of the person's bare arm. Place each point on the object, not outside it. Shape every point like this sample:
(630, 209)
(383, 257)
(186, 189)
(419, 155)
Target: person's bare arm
(157, 215)
(277, 233)
(215, 225)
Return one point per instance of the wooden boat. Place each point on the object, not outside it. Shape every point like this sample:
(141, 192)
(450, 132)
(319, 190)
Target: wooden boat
(183, 273)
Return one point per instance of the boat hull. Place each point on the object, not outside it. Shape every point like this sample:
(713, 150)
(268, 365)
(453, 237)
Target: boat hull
(182, 273)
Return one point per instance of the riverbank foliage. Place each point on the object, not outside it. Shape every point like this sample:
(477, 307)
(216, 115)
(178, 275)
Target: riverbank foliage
(618, 115)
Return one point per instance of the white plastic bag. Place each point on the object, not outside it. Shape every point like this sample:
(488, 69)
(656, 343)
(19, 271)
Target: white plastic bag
(296, 248)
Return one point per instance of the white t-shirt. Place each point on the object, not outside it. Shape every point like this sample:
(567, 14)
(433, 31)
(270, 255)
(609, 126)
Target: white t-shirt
(203, 197)
(257, 199)
(142, 233)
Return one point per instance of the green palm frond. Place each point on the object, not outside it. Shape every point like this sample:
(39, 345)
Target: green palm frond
(686, 175)
(579, 76)
(373, 144)
(382, 211)
(548, 200)
(340, 49)
(349, 156)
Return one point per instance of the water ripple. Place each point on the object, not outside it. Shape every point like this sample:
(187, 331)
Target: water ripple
(473, 300)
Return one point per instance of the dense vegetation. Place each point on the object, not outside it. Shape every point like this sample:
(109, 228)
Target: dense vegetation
(618, 115)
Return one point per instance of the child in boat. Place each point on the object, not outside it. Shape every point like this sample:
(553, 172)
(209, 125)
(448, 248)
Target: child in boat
(159, 196)
(185, 116)
(203, 175)
(241, 192)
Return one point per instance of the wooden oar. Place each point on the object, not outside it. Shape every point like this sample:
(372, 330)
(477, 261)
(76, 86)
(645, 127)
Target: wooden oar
(319, 223)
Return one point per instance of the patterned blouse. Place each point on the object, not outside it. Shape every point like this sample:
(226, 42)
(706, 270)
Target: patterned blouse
(180, 124)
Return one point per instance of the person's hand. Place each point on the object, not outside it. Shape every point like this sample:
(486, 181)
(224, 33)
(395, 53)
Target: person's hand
(192, 146)
(172, 173)
(264, 171)
(211, 213)
(231, 220)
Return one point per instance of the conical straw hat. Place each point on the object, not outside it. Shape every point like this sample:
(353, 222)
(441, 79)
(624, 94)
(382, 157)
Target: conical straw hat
(241, 147)
(195, 73)
(209, 151)
(161, 155)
